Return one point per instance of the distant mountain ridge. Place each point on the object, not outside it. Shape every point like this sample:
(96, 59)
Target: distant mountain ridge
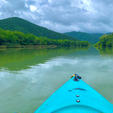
(91, 37)
(25, 26)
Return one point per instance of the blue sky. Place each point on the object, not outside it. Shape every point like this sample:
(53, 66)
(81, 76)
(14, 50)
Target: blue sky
(63, 15)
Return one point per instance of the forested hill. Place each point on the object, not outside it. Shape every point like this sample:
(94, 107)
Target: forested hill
(91, 37)
(25, 26)
(105, 41)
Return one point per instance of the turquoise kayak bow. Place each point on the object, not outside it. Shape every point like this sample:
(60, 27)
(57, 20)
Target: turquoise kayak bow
(75, 97)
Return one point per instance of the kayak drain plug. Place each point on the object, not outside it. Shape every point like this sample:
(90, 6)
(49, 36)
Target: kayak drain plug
(77, 101)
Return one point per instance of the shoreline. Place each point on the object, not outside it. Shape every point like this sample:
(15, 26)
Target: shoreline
(28, 46)
(39, 46)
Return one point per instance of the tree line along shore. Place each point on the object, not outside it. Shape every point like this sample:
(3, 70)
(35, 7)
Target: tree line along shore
(19, 39)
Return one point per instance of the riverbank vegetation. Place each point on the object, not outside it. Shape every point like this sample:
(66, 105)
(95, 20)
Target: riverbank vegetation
(18, 39)
(106, 41)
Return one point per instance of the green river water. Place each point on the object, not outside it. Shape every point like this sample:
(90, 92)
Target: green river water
(29, 76)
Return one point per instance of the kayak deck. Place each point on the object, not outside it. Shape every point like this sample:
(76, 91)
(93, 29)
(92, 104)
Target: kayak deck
(75, 96)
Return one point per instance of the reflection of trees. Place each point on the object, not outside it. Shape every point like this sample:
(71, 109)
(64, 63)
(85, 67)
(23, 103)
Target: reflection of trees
(18, 59)
(106, 51)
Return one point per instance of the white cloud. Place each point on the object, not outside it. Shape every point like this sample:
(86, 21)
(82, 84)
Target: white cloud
(33, 8)
(50, 1)
(63, 15)
(0, 13)
(4, 1)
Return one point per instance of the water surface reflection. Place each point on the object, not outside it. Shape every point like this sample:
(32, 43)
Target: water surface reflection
(35, 75)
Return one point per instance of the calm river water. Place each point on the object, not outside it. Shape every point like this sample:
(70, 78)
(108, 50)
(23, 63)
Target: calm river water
(29, 76)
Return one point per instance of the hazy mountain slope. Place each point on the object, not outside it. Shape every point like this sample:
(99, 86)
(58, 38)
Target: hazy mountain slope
(91, 37)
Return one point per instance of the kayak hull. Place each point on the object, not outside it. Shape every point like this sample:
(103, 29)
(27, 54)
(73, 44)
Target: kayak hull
(75, 96)
(77, 109)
